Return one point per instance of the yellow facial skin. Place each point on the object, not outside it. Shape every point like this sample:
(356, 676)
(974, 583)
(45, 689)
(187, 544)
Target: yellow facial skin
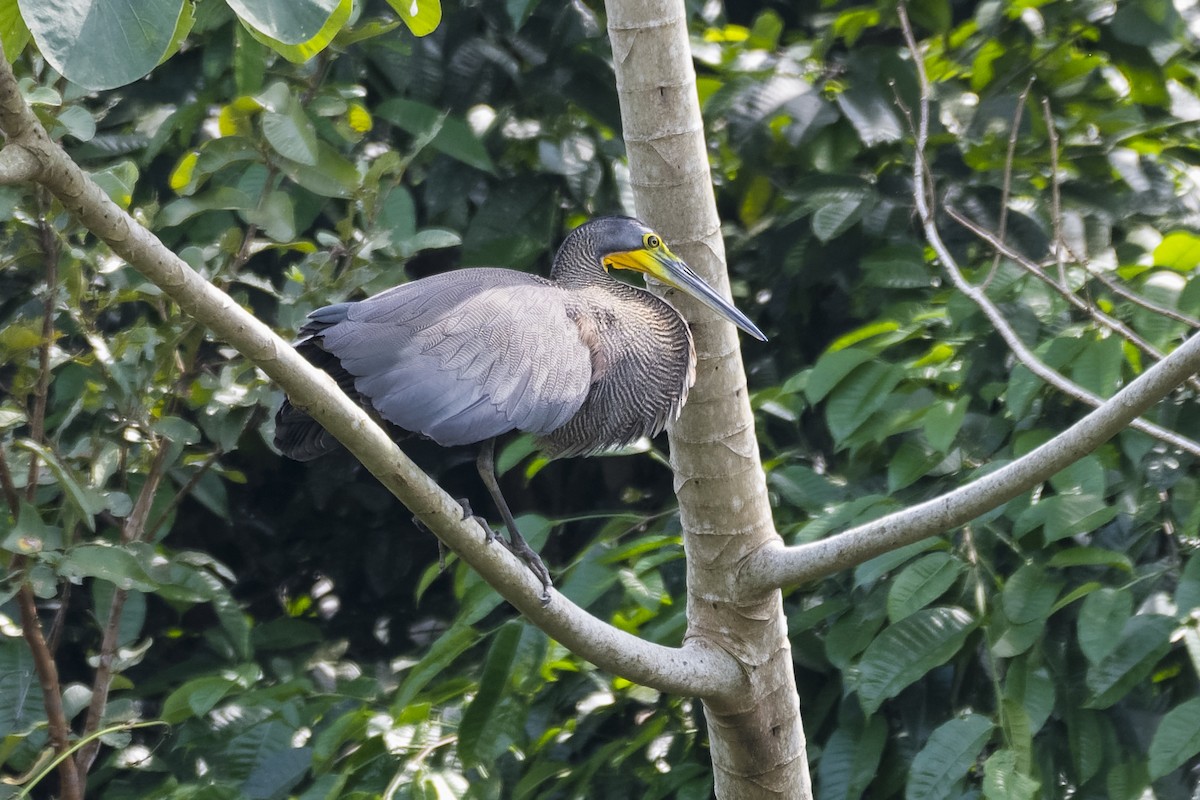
(656, 260)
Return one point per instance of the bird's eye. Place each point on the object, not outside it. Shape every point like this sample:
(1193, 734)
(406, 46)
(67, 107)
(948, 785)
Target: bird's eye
(652, 242)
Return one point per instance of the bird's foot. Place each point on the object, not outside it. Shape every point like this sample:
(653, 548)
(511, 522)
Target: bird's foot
(423, 528)
(489, 535)
(521, 549)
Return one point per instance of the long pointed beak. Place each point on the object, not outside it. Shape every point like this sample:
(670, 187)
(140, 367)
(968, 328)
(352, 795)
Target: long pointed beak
(667, 267)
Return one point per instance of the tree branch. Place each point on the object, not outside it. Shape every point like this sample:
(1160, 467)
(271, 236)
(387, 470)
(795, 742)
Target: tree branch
(695, 669)
(775, 565)
(133, 530)
(1064, 291)
(47, 672)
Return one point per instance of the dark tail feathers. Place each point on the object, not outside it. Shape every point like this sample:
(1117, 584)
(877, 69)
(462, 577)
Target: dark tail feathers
(299, 436)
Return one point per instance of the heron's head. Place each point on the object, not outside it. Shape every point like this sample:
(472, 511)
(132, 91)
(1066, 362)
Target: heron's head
(628, 243)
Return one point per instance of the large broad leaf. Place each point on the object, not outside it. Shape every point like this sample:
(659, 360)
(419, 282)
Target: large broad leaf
(1177, 739)
(109, 563)
(1003, 780)
(922, 582)
(850, 760)
(830, 369)
(14, 35)
(904, 652)
(860, 395)
(286, 21)
(100, 44)
(489, 727)
(449, 646)
(1029, 595)
(1145, 639)
(296, 20)
(1101, 618)
(947, 756)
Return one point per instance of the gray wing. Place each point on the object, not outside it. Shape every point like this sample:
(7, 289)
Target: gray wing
(463, 356)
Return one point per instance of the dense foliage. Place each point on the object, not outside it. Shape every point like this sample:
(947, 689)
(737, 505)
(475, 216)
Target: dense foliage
(291, 631)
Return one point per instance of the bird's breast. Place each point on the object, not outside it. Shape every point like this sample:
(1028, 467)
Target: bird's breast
(643, 363)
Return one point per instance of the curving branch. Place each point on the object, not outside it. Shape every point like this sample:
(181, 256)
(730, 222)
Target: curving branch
(1060, 288)
(775, 565)
(695, 669)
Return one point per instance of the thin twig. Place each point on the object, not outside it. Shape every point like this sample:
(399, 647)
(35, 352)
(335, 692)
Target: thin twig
(47, 672)
(10, 489)
(41, 392)
(1098, 316)
(923, 196)
(31, 625)
(1138, 300)
(183, 492)
(133, 530)
(1006, 187)
(1055, 194)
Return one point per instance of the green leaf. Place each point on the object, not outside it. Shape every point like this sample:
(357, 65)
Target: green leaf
(911, 462)
(850, 760)
(1029, 594)
(86, 501)
(946, 758)
(1003, 781)
(118, 182)
(805, 488)
(30, 534)
(110, 563)
(449, 646)
(179, 211)
(398, 217)
(332, 176)
(1085, 735)
(858, 396)
(14, 34)
(1101, 618)
(285, 21)
(905, 651)
(1179, 251)
(176, 429)
(195, 698)
(1098, 367)
(421, 16)
(21, 698)
(80, 38)
(1187, 593)
(943, 421)
(486, 731)
(453, 136)
(921, 583)
(290, 132)
(834, 219)
(1177, 739)
(1145, 639)
(830, 369)
(276, 773)
(336, 13)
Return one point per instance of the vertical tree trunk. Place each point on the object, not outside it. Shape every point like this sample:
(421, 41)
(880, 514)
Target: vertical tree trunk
(756, 738)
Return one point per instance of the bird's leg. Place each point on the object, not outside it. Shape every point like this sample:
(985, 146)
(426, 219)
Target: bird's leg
(486, 465)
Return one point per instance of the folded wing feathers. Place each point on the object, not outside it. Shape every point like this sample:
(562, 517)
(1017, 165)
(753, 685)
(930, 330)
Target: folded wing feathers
(459, 371)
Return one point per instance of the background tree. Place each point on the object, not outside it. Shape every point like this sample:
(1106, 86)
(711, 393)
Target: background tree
(1048, 647)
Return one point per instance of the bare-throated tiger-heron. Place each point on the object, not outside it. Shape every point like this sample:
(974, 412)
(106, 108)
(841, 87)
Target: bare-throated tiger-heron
(582, 360)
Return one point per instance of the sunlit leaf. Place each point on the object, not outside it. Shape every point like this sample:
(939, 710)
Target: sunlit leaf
(905, 651)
